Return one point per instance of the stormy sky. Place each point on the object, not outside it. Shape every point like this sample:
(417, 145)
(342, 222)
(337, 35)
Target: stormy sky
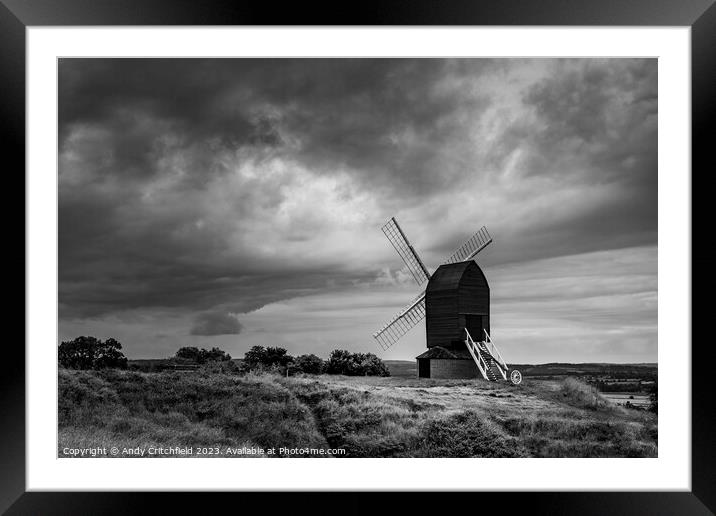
(238, 202)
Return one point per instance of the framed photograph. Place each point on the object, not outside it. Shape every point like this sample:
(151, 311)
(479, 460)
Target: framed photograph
(431, 249)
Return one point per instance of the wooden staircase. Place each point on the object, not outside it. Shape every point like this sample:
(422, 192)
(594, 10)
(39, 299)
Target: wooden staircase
(492, 368)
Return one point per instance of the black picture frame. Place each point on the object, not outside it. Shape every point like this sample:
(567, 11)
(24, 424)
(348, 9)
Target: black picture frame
(17, 15)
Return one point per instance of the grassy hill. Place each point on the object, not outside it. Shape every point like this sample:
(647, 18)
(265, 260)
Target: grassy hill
(352, 416)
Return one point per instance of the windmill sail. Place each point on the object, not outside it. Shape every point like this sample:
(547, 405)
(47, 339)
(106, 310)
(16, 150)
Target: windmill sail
(402, 323)
(471, 247)
(405, 250)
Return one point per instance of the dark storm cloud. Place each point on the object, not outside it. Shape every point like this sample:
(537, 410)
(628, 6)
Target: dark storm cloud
(327, 113)
(123, 121)
(236, 291)
(216, 323)
(224, 185)
(589, 125)
(608, 113)
(597, 125)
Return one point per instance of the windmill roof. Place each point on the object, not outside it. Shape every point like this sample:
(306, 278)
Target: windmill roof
(448, 276)
(440, 352)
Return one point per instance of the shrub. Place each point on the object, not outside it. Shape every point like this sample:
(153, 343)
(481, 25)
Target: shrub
(340, 362)
(189, 353)
(310, 364)
(91, 353)
(275, 359)
(202, 356)
(215, 355)
(355, 364)
(371, 365)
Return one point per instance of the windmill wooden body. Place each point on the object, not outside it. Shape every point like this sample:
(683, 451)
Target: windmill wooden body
(456, 307)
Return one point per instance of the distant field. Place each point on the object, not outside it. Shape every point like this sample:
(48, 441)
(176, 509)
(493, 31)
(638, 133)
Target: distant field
(615, 372)
(402, 368)
(226, 415)
(641, 371)
(622, 398)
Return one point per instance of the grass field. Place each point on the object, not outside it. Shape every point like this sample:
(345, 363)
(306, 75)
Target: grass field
(351, 416)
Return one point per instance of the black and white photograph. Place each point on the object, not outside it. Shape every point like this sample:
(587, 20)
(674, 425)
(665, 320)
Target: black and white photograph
(357, 257)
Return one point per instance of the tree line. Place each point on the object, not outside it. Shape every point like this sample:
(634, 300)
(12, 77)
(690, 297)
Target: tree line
(92, 353)
(339, 361)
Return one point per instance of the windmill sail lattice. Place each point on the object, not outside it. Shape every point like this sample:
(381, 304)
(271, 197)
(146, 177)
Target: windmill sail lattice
(405, 250)
(471, 247)
(401, 323)
(413, 313)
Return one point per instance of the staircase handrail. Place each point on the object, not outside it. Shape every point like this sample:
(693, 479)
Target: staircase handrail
(494, 351)
(496, 355)
(473, 348)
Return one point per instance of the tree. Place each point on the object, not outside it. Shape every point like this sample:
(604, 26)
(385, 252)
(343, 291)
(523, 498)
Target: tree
(278, 356)
(275, 359)
(91, 353)
(267, 357)
(189, 353)
(201, 356)
(340, 361)
(371, 365)
(254, 357)
(355, 364)
(110, 355)
(215, 354)
(310, 364)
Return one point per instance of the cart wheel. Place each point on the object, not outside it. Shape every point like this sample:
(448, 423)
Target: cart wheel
(516, 377)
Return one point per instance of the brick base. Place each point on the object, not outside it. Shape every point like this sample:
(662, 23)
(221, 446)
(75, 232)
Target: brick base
(453, 368)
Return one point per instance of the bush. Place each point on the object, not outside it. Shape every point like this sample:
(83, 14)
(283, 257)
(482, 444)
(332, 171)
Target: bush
(215, 355)
(267, 358)
(202, 356)
(271, 359)
(188, 353)
(355, 364)
(91, 353)
(310, 364)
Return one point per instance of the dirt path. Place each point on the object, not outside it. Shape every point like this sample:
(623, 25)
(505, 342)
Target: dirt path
(452, 396)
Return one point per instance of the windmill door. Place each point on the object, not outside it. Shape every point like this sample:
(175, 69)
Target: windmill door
(475, 324)
(423, 368)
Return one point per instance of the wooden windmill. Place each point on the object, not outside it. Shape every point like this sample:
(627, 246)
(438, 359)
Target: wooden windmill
(456, 308)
